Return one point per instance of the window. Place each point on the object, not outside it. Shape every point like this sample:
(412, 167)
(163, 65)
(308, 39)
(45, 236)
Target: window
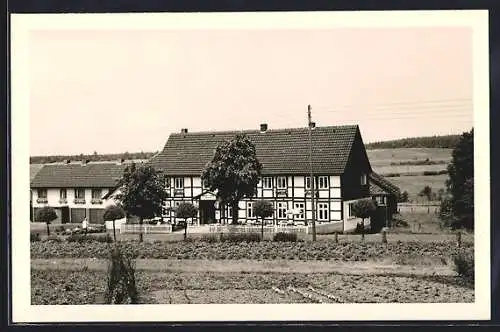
(267, 183)
(96, 193)
(381, 200)
(179, 183)
(42, 193)
(281, 182)
(281, 210)
(205, 184)
(363, 179)
(42, 196)
(308, 182)
(167, 183)
(230, 212)
(299, 207)
(62, 194)
(80, 193)
(323, 211)
(350, 210)
(323, 182)
(79, 196)
(250, 212)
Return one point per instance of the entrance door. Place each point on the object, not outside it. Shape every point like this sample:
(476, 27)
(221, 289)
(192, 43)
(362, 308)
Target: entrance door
(64, 214)
(207, 212)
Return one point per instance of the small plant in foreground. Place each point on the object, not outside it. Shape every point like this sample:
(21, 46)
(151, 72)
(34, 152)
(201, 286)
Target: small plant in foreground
(464, 266)
(121, 287)
(34, 237)
(285, 237)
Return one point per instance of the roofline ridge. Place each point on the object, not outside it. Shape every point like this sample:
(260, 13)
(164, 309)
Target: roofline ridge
(221, 132)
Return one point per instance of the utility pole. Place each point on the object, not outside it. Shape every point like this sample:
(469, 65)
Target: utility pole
(312, 175)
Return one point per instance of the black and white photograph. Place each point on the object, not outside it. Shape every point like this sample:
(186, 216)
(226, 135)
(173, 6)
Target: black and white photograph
(250, 166)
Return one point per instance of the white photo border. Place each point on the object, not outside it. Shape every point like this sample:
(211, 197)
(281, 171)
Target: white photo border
(23, 311)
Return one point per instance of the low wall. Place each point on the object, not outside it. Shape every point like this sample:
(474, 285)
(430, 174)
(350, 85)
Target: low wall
(118, 223)
(350, 224)
(327, 228)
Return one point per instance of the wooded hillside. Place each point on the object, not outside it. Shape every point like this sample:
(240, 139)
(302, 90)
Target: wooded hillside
(444, 142)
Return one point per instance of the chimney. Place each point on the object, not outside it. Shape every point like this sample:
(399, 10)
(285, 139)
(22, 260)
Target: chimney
(263, 127)
(184, 131)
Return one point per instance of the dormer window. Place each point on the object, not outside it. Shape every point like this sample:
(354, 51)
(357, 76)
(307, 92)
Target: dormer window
(363, 179)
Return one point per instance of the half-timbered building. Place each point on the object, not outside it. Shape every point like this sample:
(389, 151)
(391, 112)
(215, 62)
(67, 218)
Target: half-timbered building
(340, 167)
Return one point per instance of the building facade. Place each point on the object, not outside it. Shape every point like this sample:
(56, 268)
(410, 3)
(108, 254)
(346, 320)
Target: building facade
(340, 166)
(75, 190)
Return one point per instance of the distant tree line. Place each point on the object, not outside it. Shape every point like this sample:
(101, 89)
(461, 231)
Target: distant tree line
(91, 157)
(444, 142)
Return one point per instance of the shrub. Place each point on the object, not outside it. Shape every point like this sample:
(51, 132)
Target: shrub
(54, 238)
(240, 237)
(34, 237)
(210, 238)
(285, 237)
(392, 175)
(464, 266)
(121, 287)
(82, 238)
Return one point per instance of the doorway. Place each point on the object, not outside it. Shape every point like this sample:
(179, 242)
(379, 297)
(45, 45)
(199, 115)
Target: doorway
(207, 212)
(65, 214)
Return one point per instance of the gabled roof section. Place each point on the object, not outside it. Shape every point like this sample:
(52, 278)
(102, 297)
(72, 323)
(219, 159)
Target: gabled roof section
(91, 175)
(380, 185)
(281, 151)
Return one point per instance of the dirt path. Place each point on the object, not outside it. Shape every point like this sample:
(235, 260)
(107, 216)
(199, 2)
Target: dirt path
(250, 266)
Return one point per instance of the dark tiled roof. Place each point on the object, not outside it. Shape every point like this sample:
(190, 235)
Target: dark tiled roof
(380, 185)
(34, 168)
(281, 151)
(98, 175)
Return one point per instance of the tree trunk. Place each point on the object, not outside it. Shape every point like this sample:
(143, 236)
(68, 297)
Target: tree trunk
(48, 229)
(140, 229)
(185, 228)
(114, 230)
(262, 230)
(235, 213)
(363, 229)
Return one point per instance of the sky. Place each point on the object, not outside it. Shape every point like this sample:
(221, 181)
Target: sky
(112, 91)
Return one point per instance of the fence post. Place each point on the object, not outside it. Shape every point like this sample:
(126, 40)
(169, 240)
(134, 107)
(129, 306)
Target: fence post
(384, 236)
(459, 239)
(336, 237)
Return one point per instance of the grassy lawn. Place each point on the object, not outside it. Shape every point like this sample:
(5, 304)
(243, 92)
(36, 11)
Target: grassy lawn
(414, 184)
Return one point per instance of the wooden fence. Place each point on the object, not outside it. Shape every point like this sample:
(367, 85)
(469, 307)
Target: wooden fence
(256, 229)
(146, 229)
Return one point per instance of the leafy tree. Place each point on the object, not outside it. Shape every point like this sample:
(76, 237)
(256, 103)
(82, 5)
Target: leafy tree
(426, 192)
(403, 197)
(458, 210)
(113, 212)
(364, 208)
(142, 192)
(186, 210)
(46, 215)
(263, 209)
(233, 172)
